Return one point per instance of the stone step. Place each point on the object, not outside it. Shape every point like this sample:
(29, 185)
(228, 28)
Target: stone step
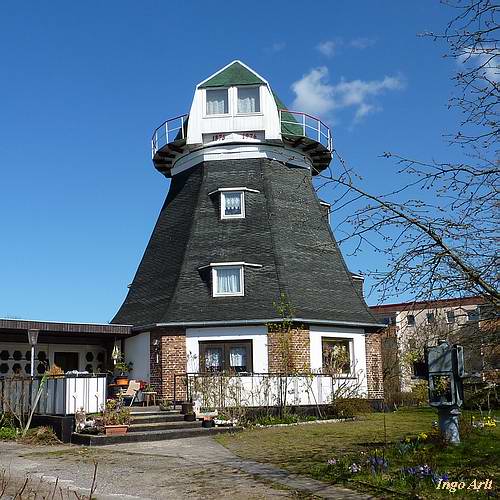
(158, 426)
(136, 437)
(157, 417)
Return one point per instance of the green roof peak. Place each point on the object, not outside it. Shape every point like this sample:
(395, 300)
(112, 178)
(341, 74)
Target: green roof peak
(234, 74)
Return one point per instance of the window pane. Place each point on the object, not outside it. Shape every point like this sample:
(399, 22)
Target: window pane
(232, 203)
(410, 320)
(213, 359)
(228, 280)
(336, 356)
(217, 102)
(248, 100)
(450, 316)
(238, 359)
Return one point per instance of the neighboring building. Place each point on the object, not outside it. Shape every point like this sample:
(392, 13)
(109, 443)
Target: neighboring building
(414, 325)
(241, 227)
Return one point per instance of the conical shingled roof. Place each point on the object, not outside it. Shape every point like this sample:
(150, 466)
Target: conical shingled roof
(284, 230)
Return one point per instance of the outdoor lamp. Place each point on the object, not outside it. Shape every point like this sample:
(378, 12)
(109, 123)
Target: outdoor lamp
(32, 339)
(115, 355)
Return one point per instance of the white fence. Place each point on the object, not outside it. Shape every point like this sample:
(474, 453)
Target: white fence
(60, 395)
(258, 390)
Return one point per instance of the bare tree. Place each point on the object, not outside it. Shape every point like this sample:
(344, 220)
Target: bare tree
(438, 227)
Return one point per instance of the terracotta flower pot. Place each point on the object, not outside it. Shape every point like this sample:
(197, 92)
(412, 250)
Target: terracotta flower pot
(121, 380)
(116, 430)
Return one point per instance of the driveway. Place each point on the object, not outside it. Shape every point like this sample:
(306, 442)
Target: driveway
(183, 468)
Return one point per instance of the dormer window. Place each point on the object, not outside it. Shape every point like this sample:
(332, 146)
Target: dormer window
(217, 102)
(227, 281)
(232, 205)
(248, 100)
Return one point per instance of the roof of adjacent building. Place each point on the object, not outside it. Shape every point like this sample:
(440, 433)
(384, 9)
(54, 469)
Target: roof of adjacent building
(427, 304)
(233, 74)
(62, 327)
(285, 231)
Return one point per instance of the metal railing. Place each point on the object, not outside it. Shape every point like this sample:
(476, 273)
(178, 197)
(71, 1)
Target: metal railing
(260, 389)
(298, 124)
(169, 131)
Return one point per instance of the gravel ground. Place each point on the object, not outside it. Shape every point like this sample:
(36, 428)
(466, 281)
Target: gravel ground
(184, 468)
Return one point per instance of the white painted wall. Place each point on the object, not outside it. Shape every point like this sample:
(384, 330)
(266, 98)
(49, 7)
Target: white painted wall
(137, 351)
(358, 348)
(257, 334)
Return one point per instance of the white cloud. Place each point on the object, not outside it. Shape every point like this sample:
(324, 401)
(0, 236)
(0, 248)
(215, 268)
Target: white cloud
(362, 42)
(276, 47)
(485, 57)
(329, 48)
(316, 95)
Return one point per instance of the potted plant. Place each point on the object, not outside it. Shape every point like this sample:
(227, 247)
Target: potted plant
(190, 416)
(123, 370)
(165, 404)
(115, 418)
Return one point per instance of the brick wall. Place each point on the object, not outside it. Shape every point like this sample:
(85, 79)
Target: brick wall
(296, 343)
(374, 367)
(167, 360)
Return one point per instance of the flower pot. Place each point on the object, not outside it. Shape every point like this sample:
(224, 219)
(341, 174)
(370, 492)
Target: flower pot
(121, 380)
(208, 423)
(189, 417)
(187, 408)
(116, 430)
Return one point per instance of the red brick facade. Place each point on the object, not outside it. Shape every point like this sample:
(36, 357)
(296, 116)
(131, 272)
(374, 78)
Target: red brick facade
(374, 369)
(289, 352)
(168, 358)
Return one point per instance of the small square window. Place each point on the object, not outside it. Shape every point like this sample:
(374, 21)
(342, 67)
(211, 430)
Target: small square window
(336, 356)
(450, 317)
(232, 205)
(227, 281)
(431, 318)
(410, 320)
(248, 100)
(473, 315)
(217, 102)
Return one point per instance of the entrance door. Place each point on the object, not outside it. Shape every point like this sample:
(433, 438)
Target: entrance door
(67, 361)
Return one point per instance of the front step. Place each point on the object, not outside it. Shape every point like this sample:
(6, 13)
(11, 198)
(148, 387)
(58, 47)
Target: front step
(135, 437)
(158, 426)
(156, 418)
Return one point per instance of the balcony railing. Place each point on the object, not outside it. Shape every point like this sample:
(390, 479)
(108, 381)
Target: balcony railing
(169, 131)
(298, 124)
(293, 123)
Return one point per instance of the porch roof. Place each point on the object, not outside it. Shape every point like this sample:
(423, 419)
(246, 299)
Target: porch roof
(58, 327)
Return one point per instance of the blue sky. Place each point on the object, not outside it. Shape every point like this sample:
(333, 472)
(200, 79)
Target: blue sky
(83, 85)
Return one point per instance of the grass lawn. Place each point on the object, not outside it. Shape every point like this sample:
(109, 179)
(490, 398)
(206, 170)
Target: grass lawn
(306, 450)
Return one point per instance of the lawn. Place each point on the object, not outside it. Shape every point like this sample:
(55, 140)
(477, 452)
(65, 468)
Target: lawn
(380, 455)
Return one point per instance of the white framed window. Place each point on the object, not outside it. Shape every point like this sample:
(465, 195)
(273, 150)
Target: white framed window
(228, 281)
(232, 205)
(248, 100)
(217, 102)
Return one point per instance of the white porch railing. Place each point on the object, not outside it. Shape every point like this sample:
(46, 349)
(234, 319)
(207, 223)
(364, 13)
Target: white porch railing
(264, 389)
(169, 131)
(298, 124)
(60, 395)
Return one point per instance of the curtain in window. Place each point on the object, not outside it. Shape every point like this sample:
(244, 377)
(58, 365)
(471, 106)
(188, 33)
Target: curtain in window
(228, 280)
(216, 102)
(248, 100)
(232, 203)
(213, 360)
(238, 358)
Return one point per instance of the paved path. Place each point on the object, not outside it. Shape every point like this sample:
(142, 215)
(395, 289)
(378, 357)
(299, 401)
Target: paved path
(183, 468)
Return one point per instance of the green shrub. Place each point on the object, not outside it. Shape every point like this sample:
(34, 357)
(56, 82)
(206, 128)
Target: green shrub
(351, 407)
(271, 420)
(8, 433)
